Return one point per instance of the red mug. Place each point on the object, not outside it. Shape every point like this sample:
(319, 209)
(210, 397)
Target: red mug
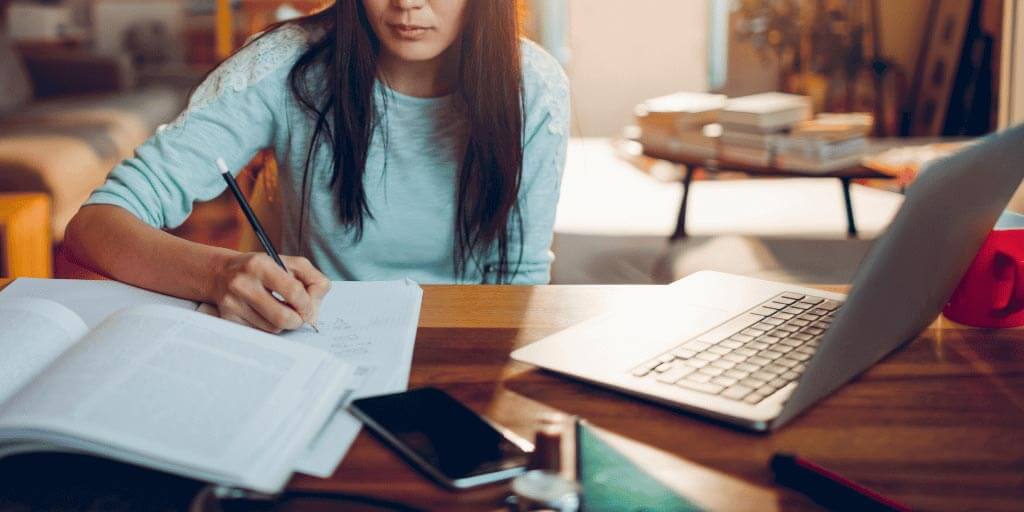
(991, 293)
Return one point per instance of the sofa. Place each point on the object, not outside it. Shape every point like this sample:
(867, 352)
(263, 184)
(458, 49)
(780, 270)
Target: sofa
(67, 117)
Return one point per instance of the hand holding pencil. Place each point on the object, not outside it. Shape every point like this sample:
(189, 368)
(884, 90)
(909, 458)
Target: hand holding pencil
(267, 291)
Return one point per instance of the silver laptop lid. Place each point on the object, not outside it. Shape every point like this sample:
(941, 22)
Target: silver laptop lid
(910, 272)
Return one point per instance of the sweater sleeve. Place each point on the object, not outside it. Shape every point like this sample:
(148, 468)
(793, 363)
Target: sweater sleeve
(232, 115)
(546, 138)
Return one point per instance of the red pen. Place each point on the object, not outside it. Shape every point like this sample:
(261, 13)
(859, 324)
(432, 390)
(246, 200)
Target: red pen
(827, 488)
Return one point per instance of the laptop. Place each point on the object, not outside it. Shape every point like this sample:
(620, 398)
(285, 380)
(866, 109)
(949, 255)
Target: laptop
(756, 353)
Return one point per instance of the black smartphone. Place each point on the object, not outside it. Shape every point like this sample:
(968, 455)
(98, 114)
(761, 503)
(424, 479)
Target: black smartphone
(444, 438)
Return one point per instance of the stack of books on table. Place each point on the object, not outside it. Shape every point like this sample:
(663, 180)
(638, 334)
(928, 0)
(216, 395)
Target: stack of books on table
(752, 125)
(828, 143)
(681, 123)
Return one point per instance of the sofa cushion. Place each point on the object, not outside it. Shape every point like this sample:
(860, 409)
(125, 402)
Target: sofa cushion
(109, 133)
(15, 88)
(148, 107)
(67, 146)
(64, 167)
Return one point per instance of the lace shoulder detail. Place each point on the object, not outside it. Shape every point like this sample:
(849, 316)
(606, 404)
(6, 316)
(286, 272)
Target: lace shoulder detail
(247, 68)
(544, 74)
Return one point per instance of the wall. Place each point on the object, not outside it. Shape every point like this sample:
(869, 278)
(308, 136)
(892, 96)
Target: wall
(1015, 108)
(625, 52)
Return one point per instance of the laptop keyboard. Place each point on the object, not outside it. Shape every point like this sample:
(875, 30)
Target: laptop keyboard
(752, 355)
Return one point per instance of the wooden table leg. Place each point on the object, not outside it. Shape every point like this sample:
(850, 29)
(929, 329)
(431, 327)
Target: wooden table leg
(851, 225)
(680, 231)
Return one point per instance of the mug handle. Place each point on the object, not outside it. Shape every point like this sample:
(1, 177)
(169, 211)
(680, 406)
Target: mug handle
(1013, 268)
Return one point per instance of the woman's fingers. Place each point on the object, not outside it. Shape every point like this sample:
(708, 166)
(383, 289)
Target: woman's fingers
(254, 286)
(276, 279)
(318, 290)
(258, 292)
(241, 313)
(280, 315)
(317, 284)
(315, 281)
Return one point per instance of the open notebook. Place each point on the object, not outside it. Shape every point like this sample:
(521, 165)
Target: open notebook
(163, 387)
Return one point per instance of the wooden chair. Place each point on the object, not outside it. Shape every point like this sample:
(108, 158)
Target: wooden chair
(26, 245)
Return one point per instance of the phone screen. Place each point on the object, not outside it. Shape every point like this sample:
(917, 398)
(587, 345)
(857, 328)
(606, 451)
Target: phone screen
(437, 431)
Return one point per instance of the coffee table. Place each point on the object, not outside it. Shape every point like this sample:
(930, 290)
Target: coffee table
(691, 163)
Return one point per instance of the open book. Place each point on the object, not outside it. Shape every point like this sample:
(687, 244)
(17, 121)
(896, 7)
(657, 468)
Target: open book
(163, 387)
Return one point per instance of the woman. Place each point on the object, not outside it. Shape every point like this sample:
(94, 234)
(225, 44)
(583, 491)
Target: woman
(416, 138)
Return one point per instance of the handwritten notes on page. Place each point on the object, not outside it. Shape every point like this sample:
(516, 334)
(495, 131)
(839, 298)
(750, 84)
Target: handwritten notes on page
(372, 326)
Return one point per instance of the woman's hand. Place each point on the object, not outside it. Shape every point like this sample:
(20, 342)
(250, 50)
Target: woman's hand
(244, 287)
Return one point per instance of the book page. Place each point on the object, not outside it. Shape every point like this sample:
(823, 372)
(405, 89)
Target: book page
(93, 301)
(33, 332)
(186, 388)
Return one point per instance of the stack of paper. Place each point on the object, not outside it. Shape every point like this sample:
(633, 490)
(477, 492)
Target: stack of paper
(677, 123)
(371, 325)
(827, 143)
(766, 112)
(752, 125)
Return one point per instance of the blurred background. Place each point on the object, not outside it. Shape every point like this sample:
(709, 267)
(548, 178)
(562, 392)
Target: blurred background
(790, 187)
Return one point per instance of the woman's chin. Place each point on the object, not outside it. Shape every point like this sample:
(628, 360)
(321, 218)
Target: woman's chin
(414, 51)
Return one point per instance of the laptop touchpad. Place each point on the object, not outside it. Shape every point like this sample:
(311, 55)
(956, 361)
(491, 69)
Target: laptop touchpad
(619, 341)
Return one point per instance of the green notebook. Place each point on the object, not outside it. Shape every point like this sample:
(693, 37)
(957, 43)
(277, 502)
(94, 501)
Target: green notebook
(611, 482)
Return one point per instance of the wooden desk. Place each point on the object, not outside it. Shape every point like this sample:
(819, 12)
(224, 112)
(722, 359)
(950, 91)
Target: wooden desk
(938, 425)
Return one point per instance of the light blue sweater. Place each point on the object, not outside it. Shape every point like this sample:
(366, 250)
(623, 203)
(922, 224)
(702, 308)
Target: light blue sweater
(246, 105)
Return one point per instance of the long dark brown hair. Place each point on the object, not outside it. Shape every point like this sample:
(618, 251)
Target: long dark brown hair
(333, 81)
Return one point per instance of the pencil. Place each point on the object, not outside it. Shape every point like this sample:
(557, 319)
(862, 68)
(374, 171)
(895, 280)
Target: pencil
(261, 234)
